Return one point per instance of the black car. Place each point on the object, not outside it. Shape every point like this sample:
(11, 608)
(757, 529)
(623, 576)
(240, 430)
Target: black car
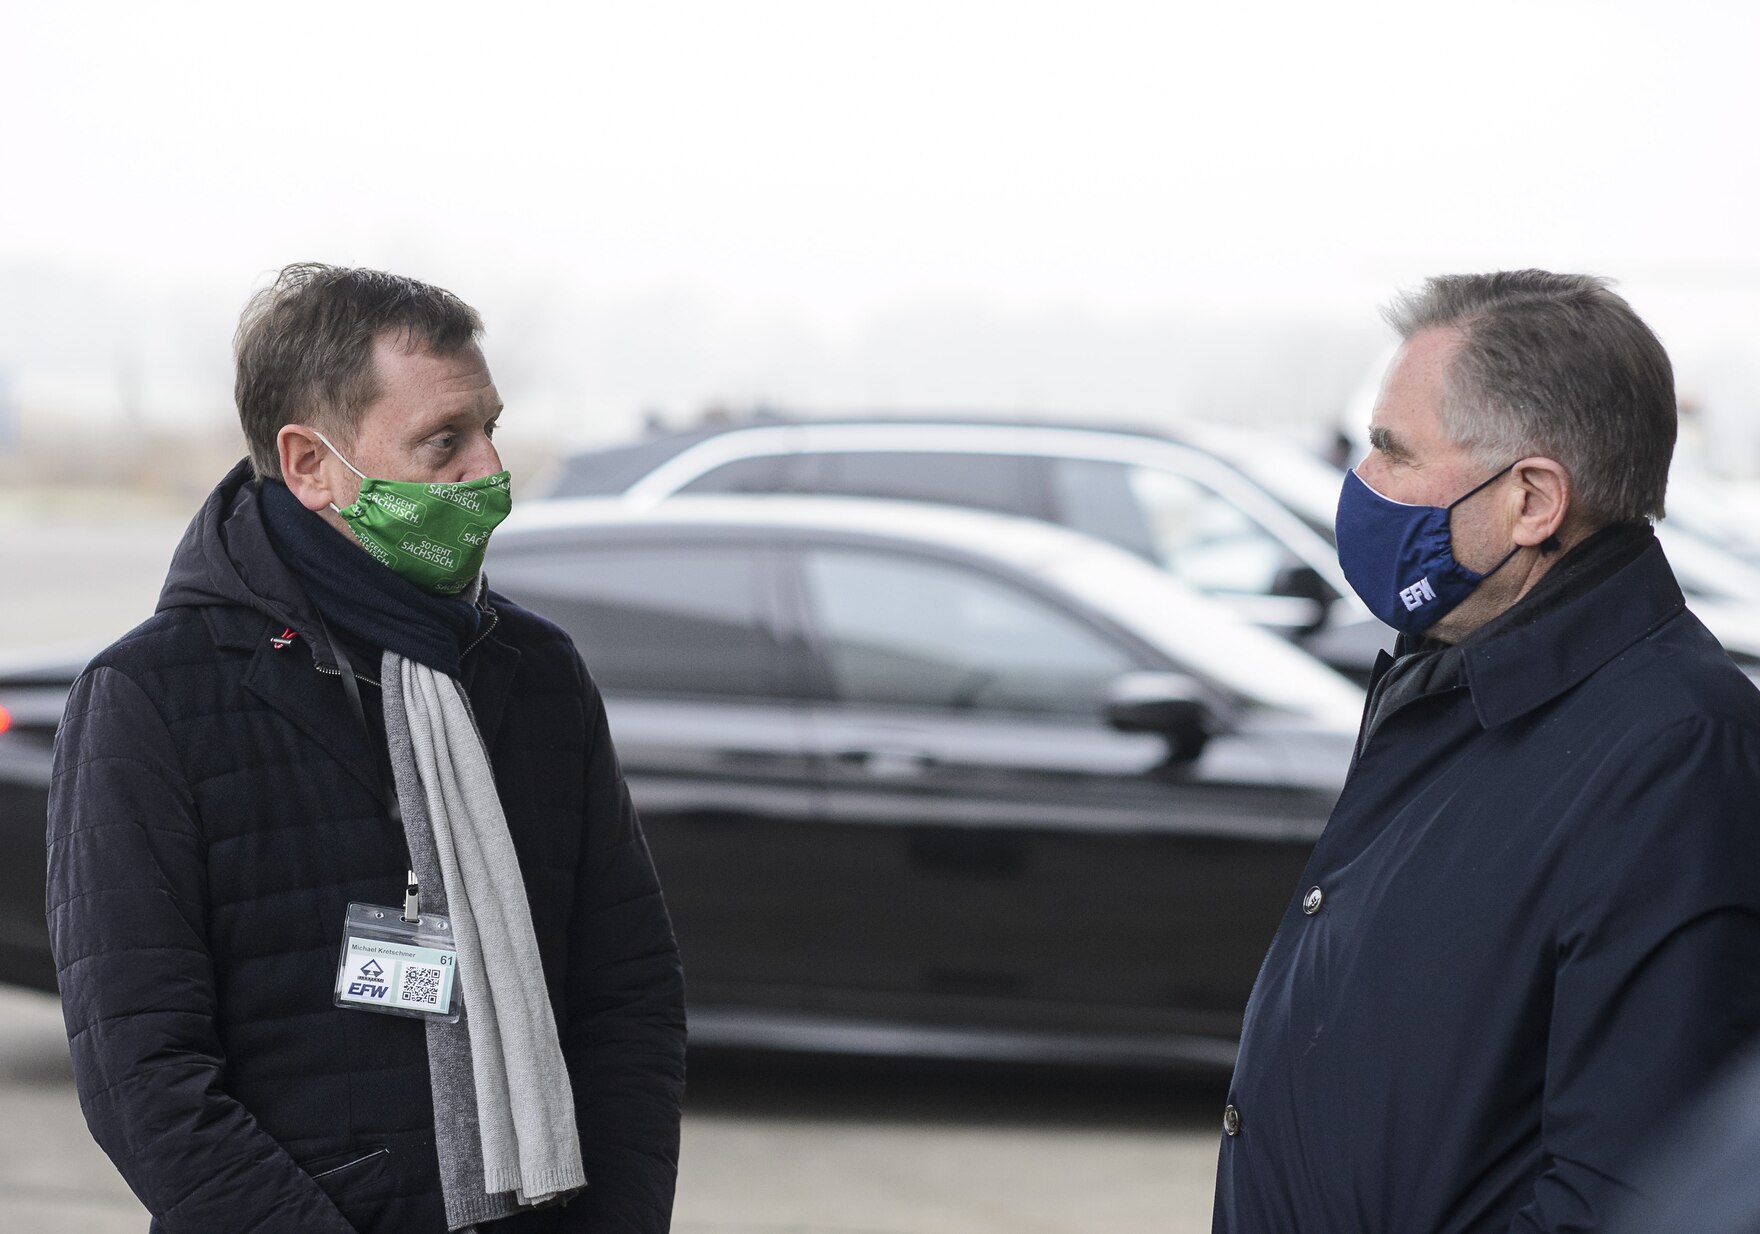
(930, 780)
(32, 694)
(934, 781)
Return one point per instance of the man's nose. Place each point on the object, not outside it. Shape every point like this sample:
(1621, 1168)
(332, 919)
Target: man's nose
(482, 460)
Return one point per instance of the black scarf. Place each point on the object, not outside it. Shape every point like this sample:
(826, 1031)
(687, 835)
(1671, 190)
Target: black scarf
(365, 603)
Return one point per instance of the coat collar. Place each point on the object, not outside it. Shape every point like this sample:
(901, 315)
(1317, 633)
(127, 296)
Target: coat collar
(311, 700)
(282, 675)
(295, 686)
(1530, 665)
(227, 569)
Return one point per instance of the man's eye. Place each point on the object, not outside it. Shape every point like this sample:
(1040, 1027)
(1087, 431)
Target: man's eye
(445, 441)
(489, 428)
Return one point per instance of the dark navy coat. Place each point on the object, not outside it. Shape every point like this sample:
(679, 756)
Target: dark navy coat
(1529, 931)
(215, 807)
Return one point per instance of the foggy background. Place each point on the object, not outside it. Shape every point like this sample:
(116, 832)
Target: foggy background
(1140, 211)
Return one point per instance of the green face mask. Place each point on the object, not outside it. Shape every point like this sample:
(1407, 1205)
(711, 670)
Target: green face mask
(434, 535)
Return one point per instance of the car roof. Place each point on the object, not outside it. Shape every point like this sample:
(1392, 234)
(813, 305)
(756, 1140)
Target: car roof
(614, 468)
(1296, 507)
(1153, 605)
(1021, 541)
(666, 444)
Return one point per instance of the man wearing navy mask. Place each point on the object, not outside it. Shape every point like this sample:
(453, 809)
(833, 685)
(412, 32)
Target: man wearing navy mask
(1531, 928)
(355, 926)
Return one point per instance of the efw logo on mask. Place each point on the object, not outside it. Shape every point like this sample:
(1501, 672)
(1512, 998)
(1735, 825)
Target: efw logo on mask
(1419, 593)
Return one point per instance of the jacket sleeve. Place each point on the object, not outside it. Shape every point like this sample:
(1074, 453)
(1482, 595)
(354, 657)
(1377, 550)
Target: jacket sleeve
(1657, 982)
(128, 925)
(625, 1037)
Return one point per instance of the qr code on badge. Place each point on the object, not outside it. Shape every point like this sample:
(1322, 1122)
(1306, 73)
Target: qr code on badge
(421, 984)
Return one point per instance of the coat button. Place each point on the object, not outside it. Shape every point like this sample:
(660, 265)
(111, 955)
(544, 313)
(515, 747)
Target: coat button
(1231, 1121)
(1312, 901)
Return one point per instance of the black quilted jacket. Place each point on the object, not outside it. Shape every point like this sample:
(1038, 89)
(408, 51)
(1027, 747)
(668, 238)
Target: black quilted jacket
(216, 806)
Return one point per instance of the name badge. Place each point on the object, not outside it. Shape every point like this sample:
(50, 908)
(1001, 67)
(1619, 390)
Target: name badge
(398, 967)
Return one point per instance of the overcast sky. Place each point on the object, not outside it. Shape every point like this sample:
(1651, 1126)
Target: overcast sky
(1082, 206)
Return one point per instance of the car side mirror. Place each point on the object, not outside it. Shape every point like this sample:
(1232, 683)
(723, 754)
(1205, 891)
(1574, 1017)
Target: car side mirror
(1303, 582)
(1170, 705)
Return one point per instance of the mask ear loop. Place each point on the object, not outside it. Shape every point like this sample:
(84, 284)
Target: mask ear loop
(1486, 483)
(363, 475)
(1501, 564)
(1546, 547)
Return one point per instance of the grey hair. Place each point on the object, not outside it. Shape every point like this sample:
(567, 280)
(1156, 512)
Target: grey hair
(1555, 365)
(304, 348)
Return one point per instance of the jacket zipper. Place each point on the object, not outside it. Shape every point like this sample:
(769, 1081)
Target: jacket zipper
(336, 672)
(494, 620)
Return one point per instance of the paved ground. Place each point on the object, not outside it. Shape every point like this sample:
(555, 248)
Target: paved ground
(85, 580)
(53, 1179)
(784, 1146)
(770, 1146)
(823, 1149)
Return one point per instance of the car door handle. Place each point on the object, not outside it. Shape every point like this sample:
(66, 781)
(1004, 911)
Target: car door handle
(888, 762)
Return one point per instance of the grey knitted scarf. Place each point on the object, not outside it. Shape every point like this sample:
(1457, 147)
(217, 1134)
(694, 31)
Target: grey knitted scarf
(504, 1122)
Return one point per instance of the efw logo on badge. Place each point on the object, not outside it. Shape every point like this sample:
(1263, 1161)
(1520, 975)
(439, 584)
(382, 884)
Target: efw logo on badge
(1419, 593)
(368, 982)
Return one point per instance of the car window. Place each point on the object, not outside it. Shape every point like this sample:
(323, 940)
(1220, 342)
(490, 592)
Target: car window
(596, 473)
(759, 474)
(1206, 540)
(659, 620)
(1096, 498)
(909, 632)
(1003, 482)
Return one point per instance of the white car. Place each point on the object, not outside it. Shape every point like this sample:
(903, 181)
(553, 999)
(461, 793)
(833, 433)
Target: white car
(1177, 503)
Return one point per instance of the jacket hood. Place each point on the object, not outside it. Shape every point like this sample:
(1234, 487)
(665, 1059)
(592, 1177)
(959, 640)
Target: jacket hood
(225, 559)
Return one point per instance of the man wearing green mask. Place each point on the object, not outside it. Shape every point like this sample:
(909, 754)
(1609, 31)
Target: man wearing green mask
(355, 924)
(432, 532)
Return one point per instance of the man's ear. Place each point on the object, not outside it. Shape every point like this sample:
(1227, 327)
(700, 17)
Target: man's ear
(1545, 488)
(302, 458)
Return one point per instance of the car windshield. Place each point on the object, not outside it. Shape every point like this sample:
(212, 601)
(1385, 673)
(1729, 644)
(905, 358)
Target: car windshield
(1195, 631)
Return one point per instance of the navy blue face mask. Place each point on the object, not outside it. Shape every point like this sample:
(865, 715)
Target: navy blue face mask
(1400, 558)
